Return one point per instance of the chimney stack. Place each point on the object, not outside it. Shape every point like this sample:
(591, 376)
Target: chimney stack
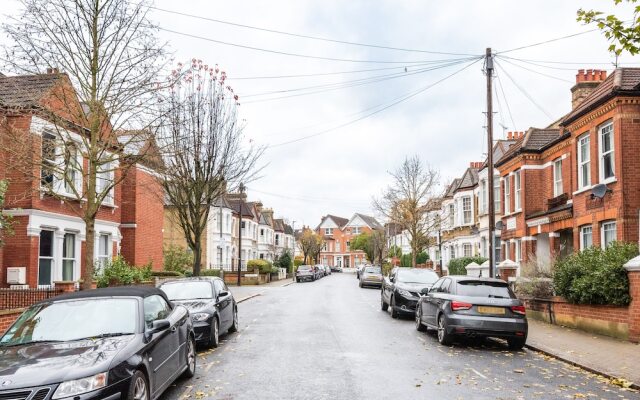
(586, 82)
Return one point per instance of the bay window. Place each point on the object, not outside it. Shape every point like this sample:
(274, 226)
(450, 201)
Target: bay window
(466, 210)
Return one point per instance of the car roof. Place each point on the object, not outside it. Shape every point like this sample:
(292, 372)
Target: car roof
(119, 291)
(193, 278)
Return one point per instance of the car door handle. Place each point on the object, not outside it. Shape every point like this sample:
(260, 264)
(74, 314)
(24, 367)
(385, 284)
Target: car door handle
(173, 329)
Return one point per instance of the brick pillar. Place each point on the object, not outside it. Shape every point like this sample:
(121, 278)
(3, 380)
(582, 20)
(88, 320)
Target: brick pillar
(633, 270)
(65, 286)
(554, 244)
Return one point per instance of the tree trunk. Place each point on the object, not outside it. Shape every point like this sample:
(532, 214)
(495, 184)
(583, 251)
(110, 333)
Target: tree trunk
(90, 239)
(197, 257)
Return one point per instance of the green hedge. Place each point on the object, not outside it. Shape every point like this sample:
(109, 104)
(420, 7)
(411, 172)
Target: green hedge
(161, 274)
(263, 266)
(595, 276)
(118, 272)
(210, 272)
(458, 266)
(406, 261)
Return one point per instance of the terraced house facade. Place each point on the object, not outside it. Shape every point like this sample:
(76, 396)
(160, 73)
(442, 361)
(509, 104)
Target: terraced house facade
(338, 233)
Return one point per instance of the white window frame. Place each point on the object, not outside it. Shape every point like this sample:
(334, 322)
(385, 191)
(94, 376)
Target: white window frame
(606, 128)
(483, 197)
(496, 194)
(506, 250)
(52, 258)
(507, 195)
(517, 183)
(328, 231)
(467, 212)
(69, 258)
(584, 165)
(606, 227)
(452, 215)
(102, 258)
(557, 178)
(583, 230)
(518, 251)
(467, 250)
(105, 177)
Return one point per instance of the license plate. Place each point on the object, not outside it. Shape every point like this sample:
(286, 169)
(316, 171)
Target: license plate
(490, 310)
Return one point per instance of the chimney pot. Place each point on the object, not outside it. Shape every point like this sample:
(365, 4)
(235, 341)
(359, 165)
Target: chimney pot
(589, 74)
(509, 135)
(49, 70)
(580, 76)
(603, 75)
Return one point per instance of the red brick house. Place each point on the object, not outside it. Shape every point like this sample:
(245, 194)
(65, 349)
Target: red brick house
(49, 243)
(338, 233)
(562, 186)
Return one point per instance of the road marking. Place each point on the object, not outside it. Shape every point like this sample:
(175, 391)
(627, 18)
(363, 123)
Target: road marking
(478, 373)
(421, 339)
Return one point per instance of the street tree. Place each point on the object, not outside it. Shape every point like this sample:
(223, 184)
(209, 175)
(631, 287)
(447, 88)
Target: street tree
(205, 154)
(622, 32)
(110, 59)
(311, 245)
(406, 201)
(373, 244)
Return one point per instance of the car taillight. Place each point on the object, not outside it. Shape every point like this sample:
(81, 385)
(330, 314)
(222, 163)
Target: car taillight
(519, 310)
(460, 305)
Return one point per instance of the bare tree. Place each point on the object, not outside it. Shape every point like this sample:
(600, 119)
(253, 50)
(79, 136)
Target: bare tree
(406, 201)
(103, 104)
(204, 150)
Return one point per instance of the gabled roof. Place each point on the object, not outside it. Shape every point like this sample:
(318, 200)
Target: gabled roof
(222, 201)
(237, 205)
(26, 90)
(370, 221)
(469, 179)
(501, 147)
(452, 188)
(622, 82)
(341, 222)
(278, 225)
(288, 229)
(534, 141)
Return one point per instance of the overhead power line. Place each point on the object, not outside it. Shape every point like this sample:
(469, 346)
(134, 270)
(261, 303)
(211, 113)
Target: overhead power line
(524, 92)
(534, 71)
(325, 73)
(383, 107)
(303, 36)
(309, 198)
(547, 41)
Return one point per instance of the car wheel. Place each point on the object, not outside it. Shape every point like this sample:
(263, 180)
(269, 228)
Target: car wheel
(139, 389)
(383, 306)
(191, 359)
(394, 312)
(443, 337)
(214, 337)
(420, 327)
(297, 280)
(234, 325)
(516, 343)
(360, 284)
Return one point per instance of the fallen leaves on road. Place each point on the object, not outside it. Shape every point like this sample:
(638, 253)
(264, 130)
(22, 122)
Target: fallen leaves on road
(621, 382)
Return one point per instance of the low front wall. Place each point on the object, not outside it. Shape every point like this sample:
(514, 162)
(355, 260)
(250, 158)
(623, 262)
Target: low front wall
(605, 320)
(7, 317)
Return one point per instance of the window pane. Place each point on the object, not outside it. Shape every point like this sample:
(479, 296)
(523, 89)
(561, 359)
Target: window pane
(68, 249)
(44, 271)
(607, 165)
(67, 270)
(46, 243)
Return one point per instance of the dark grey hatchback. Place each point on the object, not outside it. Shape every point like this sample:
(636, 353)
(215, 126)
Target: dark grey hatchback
(464, 306)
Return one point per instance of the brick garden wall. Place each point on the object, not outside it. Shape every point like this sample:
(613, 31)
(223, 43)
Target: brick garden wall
(7, 317)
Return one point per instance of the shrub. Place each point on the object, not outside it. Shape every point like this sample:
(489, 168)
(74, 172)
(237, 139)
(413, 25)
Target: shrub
(458, 266)
(406, 261)
(210, 272)
(595, 276)
(177, 258)
(283, 260)
(422, 257)
(162, 274)
(263, 266)
(534, 287)
(118, 272)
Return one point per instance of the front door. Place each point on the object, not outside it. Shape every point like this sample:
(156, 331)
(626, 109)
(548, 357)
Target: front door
(346, 262)
(339, 261)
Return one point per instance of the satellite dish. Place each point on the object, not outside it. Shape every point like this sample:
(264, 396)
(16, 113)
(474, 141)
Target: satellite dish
(499, 225)
(599, 190)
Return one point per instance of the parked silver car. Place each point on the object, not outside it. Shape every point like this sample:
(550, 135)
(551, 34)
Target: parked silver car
(305, 273)
(371, 276)
(464, 306)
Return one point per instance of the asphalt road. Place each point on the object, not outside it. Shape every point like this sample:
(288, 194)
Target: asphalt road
(329, 340)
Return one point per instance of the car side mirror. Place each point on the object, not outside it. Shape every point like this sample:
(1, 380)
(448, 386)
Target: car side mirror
(425, 291)
(223, 293)
(158, 326)
(391, 279)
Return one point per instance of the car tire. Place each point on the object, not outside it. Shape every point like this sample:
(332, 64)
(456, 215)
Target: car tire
(394, 312)
(443, 337)
(297, 280)
(516, 343)
(191, 359)
(139, 388)
(214, 336)
(360, 284)
(383, 306)
(234, 325)
(420, 327)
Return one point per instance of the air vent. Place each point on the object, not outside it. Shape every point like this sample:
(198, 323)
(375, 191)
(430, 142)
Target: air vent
(22, 395)
(41, 394)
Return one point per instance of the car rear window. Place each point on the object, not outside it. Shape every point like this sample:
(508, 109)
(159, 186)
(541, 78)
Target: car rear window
(484, 289)
(304, 268)
(372, 270)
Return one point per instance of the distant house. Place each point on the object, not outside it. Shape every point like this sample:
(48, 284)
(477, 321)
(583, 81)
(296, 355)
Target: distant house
(338, 233)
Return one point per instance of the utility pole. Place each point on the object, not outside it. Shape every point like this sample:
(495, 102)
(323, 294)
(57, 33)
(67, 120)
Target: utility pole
(492, 210)
(241, 202)
(293, 251)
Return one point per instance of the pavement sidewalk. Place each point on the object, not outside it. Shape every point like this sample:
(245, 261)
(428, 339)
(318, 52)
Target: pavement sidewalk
(607, 356)
(246, 292)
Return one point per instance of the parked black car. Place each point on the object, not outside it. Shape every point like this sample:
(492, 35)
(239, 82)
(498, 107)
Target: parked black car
(401, 289)
(473, 307)
(113, 343)
(212, 306)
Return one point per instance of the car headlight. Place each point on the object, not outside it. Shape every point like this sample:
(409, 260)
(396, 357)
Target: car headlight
(80, 386)
(200, 316)
(404, 293)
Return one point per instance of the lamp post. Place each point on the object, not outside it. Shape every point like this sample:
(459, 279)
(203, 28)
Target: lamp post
(241, 190)
(293, 251)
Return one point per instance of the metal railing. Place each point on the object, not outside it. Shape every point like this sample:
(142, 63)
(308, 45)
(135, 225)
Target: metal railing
(20, 298)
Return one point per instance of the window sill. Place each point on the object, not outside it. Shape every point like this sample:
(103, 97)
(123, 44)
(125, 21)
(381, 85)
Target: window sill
(609, 180)
(582, 190)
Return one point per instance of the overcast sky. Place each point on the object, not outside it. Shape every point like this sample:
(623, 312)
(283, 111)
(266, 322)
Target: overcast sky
(339, 171)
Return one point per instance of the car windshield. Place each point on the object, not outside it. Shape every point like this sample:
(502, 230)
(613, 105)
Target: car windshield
(304, 268)
(485, 289)
(188, 290)
(372, 270)
(425, 276)
(72, 320)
